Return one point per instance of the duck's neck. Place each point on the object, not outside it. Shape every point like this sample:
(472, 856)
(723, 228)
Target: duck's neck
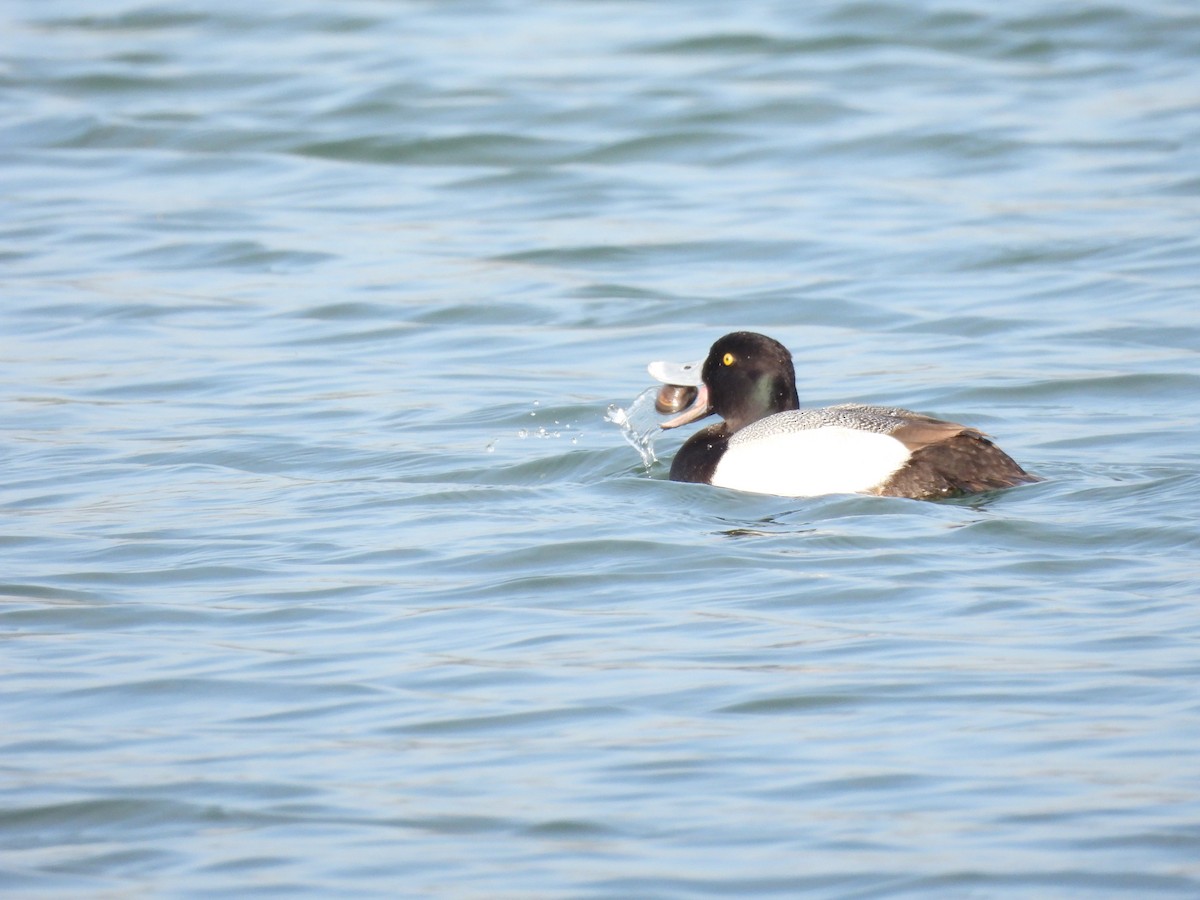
(770, 396)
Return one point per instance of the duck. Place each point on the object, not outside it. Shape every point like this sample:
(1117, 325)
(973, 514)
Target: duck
(766, 443)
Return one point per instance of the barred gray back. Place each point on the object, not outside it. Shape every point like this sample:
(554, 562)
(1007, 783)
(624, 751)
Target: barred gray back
(877, 419)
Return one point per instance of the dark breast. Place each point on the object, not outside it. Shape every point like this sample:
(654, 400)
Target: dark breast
(697, 459)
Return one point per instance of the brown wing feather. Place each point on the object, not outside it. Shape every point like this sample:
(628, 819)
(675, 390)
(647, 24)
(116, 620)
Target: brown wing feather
(919, 432)
(949, 459)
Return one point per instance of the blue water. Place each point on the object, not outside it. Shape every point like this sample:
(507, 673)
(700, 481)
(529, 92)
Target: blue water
(323, 573)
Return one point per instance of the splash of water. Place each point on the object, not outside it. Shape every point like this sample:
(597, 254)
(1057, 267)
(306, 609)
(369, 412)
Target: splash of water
(638, 424)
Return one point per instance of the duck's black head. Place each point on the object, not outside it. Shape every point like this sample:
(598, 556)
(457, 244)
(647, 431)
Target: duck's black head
(747, 376)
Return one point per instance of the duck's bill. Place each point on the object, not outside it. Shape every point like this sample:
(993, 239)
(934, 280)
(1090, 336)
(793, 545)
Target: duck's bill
(682, 387)
(698, 410)
(683, 374)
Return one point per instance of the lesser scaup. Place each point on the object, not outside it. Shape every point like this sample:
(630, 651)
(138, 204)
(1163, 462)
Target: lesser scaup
(768, 445)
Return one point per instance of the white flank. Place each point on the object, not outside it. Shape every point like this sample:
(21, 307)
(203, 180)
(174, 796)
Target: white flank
(829, 460)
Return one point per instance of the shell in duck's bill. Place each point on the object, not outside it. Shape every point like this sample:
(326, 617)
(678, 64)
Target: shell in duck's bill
(766, 444)
(672, 398)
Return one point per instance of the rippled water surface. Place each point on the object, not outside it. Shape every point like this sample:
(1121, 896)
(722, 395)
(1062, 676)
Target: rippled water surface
(323, 573)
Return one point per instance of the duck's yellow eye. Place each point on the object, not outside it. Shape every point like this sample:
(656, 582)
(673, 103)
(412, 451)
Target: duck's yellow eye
(727, 359)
